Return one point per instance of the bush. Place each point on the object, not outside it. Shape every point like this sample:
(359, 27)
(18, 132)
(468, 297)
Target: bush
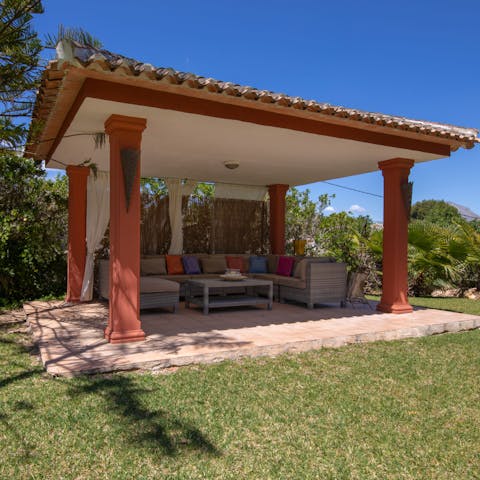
(438, 212)
(354, 241)
(303, 216)
(33, 231)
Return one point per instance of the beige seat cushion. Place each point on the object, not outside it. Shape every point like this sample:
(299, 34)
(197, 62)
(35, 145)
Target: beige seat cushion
(153, 266)
(272, 263)
(267, 276)
(154, 284)
(181, 278)
(300, 269)
(214, 264)
(281, 280)
(291, 282)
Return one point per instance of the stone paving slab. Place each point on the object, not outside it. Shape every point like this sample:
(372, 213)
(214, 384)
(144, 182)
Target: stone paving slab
(70, 337)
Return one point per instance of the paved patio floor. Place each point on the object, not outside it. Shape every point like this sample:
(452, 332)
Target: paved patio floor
(70, 338)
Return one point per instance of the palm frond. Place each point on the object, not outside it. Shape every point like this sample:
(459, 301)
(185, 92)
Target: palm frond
(72, 33)
(100, 139)
(92, 166)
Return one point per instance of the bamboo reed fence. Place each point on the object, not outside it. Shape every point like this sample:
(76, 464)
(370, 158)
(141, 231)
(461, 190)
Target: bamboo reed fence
(210, 225)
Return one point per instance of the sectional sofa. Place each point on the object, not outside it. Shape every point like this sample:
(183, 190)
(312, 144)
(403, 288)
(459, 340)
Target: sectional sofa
(312, 280)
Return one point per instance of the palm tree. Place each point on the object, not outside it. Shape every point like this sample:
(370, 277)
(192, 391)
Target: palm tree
(471, 237)
(75, 34)
(440, 256)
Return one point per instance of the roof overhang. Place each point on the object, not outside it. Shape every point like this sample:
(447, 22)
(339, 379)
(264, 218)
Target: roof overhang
(191, 132)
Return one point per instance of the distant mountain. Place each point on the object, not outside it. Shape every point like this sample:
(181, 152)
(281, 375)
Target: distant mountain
(465, 212)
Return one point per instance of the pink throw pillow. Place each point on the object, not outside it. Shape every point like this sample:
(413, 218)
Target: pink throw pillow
(285, 266)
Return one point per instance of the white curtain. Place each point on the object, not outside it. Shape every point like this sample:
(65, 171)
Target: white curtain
(241, 192)
(176, 190)
(98, 215)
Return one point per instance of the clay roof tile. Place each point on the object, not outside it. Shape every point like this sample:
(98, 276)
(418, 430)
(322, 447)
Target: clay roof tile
(99, 59)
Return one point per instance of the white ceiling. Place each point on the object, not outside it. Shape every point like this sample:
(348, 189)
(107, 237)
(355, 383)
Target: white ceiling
(184, 145)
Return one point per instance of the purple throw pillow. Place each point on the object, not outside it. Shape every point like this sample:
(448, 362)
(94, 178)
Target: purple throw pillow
(285, 266)
(191, 265)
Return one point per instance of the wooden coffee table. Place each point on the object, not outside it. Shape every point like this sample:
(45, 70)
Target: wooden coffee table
(207, 300)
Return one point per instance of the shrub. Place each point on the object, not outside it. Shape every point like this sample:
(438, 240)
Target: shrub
(33, 231)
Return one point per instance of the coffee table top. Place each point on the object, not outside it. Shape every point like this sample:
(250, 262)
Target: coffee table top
(219, 283)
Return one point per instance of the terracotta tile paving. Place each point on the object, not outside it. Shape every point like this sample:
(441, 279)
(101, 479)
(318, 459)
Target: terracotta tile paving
(70, 338)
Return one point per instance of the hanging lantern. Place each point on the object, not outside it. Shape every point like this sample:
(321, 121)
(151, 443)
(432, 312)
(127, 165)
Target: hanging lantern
(129, 158)
(407, 189)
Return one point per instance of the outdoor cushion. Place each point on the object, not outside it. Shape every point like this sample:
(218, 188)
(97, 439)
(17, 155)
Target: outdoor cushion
(214, 264)
(237, 263)
(291, 282)
(267, 276)
(258, 265)
(204, 275)
(285, 266)
(272, 263)
(178, 278)
(158, 285)
(153, 266)
(300, 270)
(191, 265)
(174, 264)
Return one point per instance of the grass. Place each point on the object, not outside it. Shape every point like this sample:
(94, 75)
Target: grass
(7, 304)
(388, 410)
(463, 305)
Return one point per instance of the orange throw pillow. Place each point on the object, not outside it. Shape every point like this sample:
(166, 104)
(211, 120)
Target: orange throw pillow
(236, 263)
(174, 264)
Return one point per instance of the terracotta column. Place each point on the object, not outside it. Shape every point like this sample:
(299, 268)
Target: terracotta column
(277, 194)
(77, 230)
(125, 136)
(395, 236)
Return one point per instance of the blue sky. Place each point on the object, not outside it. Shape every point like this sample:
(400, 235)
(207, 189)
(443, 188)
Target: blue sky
(417, 58)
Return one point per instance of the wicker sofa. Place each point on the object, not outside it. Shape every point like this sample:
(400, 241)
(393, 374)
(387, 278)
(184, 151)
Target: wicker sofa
(155, 292)
(314, 280)
(323, 283)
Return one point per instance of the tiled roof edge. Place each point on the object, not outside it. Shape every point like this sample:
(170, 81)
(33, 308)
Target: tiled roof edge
(93, 58)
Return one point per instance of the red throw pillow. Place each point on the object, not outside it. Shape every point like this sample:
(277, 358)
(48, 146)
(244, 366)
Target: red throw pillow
(285, 266)
(174, 264)
(237, 263)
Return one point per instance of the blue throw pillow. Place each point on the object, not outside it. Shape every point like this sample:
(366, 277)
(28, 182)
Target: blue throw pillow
(258, 265)
(191, 265)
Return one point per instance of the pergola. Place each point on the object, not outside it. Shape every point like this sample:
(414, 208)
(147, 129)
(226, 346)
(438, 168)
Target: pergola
(186, 126)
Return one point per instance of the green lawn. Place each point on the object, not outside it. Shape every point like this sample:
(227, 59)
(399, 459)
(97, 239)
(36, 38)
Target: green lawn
(463, 305)
(390, 410)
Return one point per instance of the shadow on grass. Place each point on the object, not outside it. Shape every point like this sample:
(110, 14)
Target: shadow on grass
(20, 376)
(14, 349)
(23, 447)
(20, 347)
(152, 429)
